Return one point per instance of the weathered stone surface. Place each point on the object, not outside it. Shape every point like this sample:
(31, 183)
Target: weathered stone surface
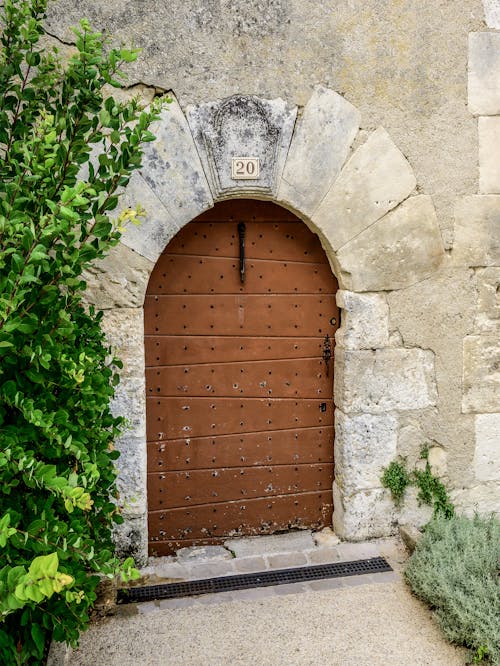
(364, 515)
(384, 380)
(319, 148)
(484, 73)
(410, 536)
(197, 554)
(489, 155)
(124, 330)
(131, 539)
(364, 445)
(375, 179)
(488, 303)
(131, 480)
(487, 453)
(172, 167)
(402, 248)
(477, 235)
(364, 321)
(481, 380)
(119, 280)
(325, 538)
(412, 511)
(437, 458)
(156, 227)
(242, 126)
(492, 13)
(483, 499)
(275, 543)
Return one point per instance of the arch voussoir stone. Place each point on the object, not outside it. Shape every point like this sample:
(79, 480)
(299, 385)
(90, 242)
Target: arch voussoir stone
(375, 179)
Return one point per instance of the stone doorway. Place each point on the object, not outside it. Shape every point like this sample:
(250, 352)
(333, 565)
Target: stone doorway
(240, 317)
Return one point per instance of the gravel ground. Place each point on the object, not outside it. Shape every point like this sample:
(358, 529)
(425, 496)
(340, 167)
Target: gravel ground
(366, 625)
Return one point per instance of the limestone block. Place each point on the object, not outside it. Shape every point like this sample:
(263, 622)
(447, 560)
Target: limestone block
(489, 155)
(119, 280)
(487, 453)
(364, 515)
(384, 380)
(124, 329)
(365, 320)
(477, 231)
(131, 539)
(412, 512)
(488, 303)
(437, 460)
(481, 376)
(375, 179)
(319, 148)
(364, 445)
(484, 73)
(242, 126)
(156, 227)
(492, 13)
(131, 480)
(483, 499)
(172, 167)
(402, 248)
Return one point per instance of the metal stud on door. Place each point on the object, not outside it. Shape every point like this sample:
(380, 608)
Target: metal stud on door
(239, 344)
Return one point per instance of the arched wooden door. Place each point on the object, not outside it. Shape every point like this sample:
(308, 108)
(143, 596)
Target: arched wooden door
(239, 394)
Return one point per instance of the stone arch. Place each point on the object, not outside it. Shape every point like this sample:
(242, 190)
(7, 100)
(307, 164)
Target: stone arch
(378, 233)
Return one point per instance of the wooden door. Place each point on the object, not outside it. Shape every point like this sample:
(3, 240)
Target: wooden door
(239, 396)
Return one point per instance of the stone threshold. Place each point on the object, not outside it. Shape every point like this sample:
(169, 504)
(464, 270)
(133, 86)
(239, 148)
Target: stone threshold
(264, 553)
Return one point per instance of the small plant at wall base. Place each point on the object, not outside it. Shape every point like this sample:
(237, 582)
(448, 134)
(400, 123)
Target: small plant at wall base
(431, 489)
(57, 474)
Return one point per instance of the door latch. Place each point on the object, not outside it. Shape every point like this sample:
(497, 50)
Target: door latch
(241, 234)
(327, 352)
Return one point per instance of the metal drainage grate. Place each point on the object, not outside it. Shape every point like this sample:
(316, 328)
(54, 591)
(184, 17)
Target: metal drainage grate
(246, 581)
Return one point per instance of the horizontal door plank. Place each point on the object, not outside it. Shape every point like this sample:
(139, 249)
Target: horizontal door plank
(280, 379)
(304, 445)
(244, 517)
(173, 418)
(281, 315)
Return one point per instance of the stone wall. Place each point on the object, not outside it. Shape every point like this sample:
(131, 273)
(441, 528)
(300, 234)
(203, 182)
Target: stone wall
(386, 173)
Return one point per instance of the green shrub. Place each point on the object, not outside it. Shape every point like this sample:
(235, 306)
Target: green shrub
(57, 474)
(455, 569)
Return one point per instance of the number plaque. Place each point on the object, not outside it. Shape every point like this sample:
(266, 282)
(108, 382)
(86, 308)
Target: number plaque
(245, 168)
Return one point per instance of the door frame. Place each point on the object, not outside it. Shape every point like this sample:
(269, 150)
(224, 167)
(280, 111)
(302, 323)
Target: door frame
(359, 215)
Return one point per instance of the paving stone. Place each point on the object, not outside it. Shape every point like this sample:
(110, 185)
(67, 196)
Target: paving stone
(487, 453)
(286, 560)
(327, 584)
(477, 220)
(481, 379)
(275, 543)
(290, 588)
(249, 564)
(489, 152)
(357, 551)
(323, 555)
(255, 593)
(217, 598)
(202, 554)
(165, 570)
(210, 569)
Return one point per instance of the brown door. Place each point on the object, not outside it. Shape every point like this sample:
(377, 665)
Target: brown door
(239, 396)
